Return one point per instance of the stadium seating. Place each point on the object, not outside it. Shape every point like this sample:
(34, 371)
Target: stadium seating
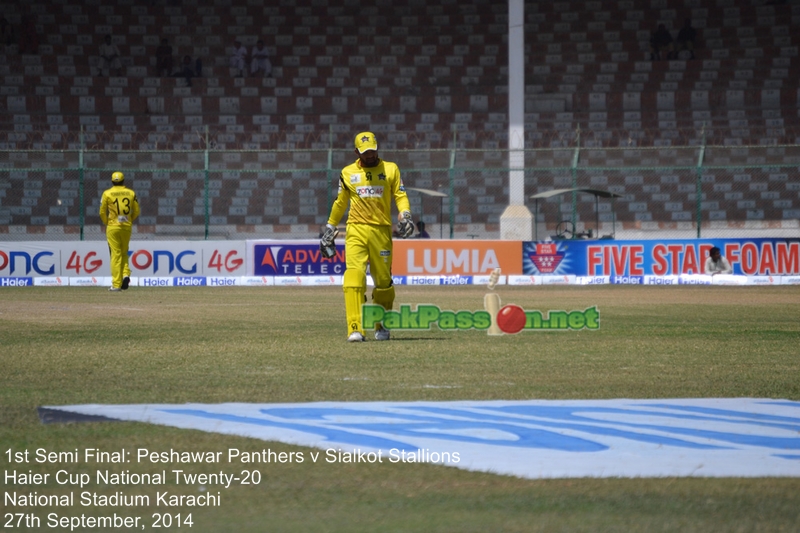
(419, 74)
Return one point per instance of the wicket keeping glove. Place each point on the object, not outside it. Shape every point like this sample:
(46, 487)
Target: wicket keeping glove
(406, 226)
(326, 245)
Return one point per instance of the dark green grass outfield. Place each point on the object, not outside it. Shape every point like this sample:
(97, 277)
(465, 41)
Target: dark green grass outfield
(173, 345)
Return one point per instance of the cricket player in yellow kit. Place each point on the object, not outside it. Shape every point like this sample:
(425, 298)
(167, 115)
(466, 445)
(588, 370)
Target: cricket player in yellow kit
(118, 209)
(368, 186)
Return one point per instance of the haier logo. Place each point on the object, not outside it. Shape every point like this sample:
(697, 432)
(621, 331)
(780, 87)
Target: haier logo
(221, 282)
(593, 280)
(155, 282)
(706, 280)
(627, 280)
(189, 282)
(38, 263)
(660, 280)
(422, 280)
(183, 262)
(455, 280)
(16, 282)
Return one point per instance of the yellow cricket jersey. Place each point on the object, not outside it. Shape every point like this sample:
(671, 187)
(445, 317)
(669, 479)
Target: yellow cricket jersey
(369, 192)
(119, 206)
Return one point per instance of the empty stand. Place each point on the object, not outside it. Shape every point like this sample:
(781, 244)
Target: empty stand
(423, 76)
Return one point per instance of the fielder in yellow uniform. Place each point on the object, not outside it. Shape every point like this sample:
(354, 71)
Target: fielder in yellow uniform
(368, 187)
(118, 209)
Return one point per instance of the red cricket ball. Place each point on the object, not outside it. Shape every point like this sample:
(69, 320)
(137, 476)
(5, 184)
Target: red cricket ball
(511, 318)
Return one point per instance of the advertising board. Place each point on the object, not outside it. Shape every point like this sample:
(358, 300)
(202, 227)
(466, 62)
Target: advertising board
(415, 262)
(147, 259)
(628, 261)
(435, 257)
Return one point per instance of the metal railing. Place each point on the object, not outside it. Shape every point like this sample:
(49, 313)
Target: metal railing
(211, 193)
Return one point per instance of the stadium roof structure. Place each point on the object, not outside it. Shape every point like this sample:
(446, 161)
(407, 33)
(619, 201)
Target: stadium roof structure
(598, 193)
(427, 192)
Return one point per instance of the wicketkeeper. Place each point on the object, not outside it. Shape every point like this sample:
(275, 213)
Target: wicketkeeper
(367, 186)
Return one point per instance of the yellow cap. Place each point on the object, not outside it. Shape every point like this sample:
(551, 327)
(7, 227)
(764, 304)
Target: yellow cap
(366, 141)
(117, 177)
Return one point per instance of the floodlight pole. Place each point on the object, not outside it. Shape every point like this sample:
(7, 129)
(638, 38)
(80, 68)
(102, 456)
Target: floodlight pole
(441, 217)
(451, 192)
(597, 214)
(82, 200)
(515, 222)
(205, 186)
(613, 217)
(575, 159)
(699, 200)
(329, 188)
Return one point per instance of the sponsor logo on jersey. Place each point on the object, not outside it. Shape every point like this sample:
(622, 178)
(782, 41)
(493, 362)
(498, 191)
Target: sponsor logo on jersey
(368, 191)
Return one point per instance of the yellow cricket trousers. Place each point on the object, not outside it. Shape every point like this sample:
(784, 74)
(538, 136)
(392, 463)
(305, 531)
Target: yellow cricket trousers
(366, 243)
(119, 238)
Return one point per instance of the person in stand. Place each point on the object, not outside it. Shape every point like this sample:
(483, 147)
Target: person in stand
(238, 57)
(716, 263)
(164, 58)
(109, 57)
(186, 71)
(119, 208)
(421, 233)
(685, 40)
(260, 61)
(6, 33)
(368, 186)
(660, 40)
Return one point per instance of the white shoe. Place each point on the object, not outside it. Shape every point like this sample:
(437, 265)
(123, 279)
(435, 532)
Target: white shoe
(356, 336)
(114, 289)
(382, 334)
